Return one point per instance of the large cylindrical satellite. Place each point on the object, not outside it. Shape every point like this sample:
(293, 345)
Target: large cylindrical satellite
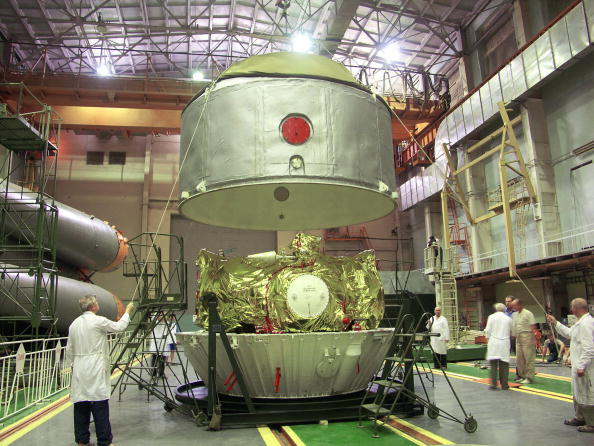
(289, 141)
(286, 141)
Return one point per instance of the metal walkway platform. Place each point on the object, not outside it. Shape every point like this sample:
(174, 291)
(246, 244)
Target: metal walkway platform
(17, 134)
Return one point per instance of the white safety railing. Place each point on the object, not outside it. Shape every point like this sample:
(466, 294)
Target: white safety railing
(563, 243)
(33, 371)
(437, 259)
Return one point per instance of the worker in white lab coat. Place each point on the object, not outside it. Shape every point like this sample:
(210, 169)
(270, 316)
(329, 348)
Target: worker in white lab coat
(582, 363)
(88, 354)
(498, 332)
(439, 344)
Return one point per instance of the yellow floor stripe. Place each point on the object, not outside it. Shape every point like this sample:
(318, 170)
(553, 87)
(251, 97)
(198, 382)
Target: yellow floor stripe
(400, 433)
(422, 431)
(548, 392)
(544, 375)
(268, 437)
(532, 392)
(33, 414)
(557, 377)
(18, 434)
(457, 375)
(537, 392)
(293, 436)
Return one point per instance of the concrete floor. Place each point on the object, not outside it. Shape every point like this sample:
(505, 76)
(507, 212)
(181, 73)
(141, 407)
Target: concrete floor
(504, 417)
(136, 422)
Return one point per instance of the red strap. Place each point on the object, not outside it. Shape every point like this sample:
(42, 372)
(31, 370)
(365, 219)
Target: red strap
(277, 379)
(232, 384)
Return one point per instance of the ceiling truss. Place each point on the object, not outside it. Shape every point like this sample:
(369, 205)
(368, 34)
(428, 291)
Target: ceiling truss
(173, 38)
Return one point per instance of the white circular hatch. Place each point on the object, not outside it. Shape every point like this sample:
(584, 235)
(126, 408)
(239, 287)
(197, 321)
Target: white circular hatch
(307, 296)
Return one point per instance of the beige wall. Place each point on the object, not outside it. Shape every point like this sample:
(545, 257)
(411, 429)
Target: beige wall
(131, 197)
(110, 192)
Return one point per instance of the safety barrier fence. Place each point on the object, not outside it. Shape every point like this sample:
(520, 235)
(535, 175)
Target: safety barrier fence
(572, 241)
(560, 244)
(33, 371)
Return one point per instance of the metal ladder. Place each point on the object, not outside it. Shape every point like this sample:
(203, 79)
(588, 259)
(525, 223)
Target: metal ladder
(395, 375)
(162, 287)
(398, 363)
(448, 293)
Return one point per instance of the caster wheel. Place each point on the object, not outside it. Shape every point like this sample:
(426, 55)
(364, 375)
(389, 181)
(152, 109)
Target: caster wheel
(168, 407)
(201, 419)
(470, 425)
(140, 387)
(432, 412)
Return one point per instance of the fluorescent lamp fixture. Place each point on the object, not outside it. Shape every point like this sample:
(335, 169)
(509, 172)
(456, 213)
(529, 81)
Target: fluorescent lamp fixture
(198, 76)
(103, 70)
(391, 52)
(301, 43)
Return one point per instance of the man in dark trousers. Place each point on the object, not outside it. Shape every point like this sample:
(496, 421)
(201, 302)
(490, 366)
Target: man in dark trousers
(88, 353)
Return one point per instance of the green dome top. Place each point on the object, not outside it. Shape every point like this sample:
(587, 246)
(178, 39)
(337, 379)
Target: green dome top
(289, 64)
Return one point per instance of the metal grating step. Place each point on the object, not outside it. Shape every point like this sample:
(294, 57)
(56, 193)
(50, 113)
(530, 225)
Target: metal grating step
(398, 359)
(374, 408)
(387, 383)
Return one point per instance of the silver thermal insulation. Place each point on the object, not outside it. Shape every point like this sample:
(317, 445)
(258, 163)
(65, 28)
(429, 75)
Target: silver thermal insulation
(17, 291)
(82, 240)
(238, 171)
(304, 364)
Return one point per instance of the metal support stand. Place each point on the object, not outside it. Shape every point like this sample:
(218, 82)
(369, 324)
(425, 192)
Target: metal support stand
(162, 288)
(215, 326)
(30, 130)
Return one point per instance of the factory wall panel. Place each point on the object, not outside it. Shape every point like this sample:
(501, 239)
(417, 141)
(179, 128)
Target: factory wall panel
(111, 192)
(575, 290)
(569, 107)
(165, 166)
(233, 242)
(419, 235)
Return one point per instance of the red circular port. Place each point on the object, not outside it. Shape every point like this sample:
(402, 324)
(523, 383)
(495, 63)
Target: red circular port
(296, 130)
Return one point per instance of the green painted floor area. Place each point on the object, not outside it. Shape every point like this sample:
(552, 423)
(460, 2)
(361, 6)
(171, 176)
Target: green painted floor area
(23, 413)
(464, 352)
(540, 382)
(347, 433)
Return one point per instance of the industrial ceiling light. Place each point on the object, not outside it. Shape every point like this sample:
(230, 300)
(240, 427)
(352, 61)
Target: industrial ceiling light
(301, 43)
(391, 52)
(103, 70)
(198, 76)
(101, 26)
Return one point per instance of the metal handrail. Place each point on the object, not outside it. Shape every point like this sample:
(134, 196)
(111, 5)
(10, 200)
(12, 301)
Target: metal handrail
(568, 244)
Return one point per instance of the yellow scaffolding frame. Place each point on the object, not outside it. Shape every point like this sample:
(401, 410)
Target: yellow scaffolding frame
(510, 157)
